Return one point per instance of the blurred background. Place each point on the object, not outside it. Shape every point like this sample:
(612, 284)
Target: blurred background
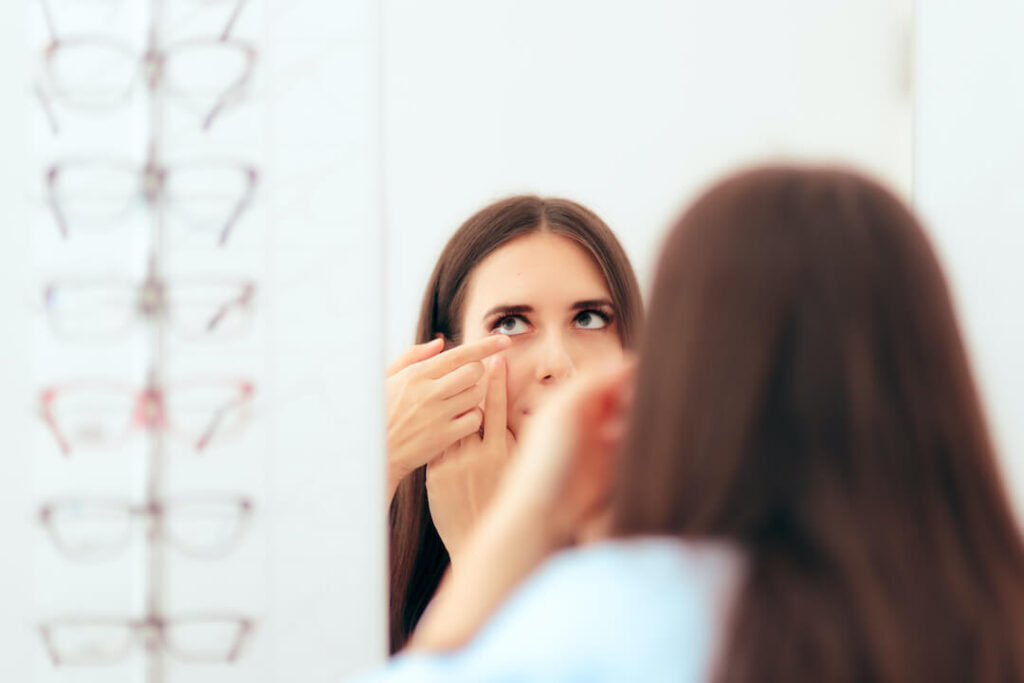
(348, 140)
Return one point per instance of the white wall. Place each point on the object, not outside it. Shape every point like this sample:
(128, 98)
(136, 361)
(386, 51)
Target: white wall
(629, 108)
(969, 184)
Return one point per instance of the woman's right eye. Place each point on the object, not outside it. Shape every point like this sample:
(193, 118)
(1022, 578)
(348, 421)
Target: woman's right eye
(510, 325)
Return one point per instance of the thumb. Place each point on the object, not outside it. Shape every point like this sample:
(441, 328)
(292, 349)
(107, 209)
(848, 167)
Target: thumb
(415, 354)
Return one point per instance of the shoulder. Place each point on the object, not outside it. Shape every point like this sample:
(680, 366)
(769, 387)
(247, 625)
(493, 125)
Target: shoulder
(642, 609)
(634, 563)
(621, 598)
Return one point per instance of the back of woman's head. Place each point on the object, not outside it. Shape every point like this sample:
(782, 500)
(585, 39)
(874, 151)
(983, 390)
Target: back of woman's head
(804, 392)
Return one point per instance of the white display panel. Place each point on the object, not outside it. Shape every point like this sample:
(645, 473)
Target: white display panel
(309, 568)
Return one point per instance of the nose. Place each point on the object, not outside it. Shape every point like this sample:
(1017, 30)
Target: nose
(555, 362)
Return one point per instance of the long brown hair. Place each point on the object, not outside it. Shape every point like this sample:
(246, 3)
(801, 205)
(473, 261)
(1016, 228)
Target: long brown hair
(418, 557)
(804, 392)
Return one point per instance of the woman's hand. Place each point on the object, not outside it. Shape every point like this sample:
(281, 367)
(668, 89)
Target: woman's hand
(431, 398)
(564, 474)
(556, 486)
(462, 481)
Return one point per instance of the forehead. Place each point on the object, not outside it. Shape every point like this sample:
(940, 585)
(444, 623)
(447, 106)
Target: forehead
(538, 266)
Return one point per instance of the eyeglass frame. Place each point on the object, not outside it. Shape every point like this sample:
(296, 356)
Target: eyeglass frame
(152, 60)
(153, 175)
(152, 510)
(153, 629)
(150, 300)
(149, 408)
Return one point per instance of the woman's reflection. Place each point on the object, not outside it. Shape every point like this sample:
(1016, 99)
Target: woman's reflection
(527, 292)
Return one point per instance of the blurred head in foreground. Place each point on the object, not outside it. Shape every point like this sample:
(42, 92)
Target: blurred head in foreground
(804, 393)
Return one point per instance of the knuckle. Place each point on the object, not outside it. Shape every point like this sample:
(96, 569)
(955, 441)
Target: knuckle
(425, 392)
(429, 391)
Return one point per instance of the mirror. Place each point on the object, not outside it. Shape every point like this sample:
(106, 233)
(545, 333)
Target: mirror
(629, 112)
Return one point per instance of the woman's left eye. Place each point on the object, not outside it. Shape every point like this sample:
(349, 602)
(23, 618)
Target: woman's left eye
(591, 320)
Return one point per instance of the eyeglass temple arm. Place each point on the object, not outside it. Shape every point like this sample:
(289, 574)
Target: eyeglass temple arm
(51, 423)
(47, 107)
(226, 33)
(51, 28)
(240, 300)
(51, 648)
(224, 100)
(232, 93)
(215, 422)
(245, 626)
(58, 215)
(239, 209)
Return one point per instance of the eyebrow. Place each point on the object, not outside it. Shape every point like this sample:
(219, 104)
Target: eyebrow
(507, 309)
(593, 303)
(514, 309)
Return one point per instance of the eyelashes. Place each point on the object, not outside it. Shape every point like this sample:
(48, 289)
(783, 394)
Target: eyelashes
(514, 324)
(605, 318)
(501, 325)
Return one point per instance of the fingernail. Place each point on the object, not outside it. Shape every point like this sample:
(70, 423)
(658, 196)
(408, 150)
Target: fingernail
(504, 340)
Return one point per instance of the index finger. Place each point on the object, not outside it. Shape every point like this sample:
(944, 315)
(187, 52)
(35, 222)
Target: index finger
(414, 354)
(443, 363)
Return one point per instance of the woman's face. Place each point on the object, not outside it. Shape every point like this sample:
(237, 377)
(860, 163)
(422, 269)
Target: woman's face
(547, 294)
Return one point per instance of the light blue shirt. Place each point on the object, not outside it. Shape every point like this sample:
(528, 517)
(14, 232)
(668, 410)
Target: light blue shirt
(638, 610)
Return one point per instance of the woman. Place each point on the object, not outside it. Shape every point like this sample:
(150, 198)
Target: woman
(806, 489)
(545, 283)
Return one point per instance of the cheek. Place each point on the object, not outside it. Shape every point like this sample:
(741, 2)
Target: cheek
(598, 352)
